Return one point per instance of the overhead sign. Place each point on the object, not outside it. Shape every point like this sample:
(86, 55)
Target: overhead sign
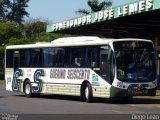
(120, 11)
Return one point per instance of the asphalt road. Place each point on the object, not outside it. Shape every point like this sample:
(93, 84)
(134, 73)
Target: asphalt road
(17, 103)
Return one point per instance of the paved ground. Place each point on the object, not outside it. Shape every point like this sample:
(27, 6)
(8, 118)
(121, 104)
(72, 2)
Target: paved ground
(16, 103)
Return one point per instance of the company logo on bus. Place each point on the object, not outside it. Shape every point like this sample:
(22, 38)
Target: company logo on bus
(94, 78)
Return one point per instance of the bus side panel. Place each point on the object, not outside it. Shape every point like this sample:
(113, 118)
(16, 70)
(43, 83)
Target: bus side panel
(72, 81)
(9, 78)
(57, 80)
(62, 89)
(100, 91)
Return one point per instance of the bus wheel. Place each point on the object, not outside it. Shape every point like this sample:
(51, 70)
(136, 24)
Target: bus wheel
(88, 93)
(28, 89)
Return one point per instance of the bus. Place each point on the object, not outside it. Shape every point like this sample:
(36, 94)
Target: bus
(86, 66)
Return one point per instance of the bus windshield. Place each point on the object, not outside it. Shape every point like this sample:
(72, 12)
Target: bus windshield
(135, 61)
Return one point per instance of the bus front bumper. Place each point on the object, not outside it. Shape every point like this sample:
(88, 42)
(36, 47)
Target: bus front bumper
(117, 92)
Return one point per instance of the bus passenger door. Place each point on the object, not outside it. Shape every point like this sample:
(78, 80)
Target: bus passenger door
(16, 58)
(16, 85)
(107, 64)
(104, 65)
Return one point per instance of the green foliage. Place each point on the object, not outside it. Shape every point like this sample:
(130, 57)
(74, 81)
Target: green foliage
(2, 49)
(34, 29)
(4, 9)
(15, 41)
(8, 30)
(13, 11)
(83, 11)
(95, 6)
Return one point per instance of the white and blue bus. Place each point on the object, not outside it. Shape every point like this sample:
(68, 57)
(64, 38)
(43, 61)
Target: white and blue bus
(85, 66)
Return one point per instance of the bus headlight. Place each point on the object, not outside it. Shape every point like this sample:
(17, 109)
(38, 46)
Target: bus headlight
(119, 84)
(154, 84)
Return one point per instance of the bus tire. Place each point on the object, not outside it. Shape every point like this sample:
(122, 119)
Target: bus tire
(88, 93)
(28, 89)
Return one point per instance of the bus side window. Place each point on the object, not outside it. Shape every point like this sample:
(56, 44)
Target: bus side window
(16, 60)
(9, 58)
(95, 57)
(69, 60)
(78, 62)
(26, 58)
(61, 60)
(74, 57)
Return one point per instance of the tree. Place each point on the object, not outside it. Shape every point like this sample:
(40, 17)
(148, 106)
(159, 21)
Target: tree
(95, 6)
(34, 28)
(13, 11)
(9, 30)
(18, 11)
(4, 9)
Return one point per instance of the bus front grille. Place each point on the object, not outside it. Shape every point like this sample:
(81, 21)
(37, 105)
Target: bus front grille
(137, 89)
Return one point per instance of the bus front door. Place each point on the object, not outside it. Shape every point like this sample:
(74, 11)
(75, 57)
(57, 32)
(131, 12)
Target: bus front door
(104, 65)
(107, 64)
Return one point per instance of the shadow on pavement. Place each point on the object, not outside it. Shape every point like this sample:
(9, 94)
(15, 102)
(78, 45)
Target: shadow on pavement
(99, 100)
(131, 101)
(2, 96)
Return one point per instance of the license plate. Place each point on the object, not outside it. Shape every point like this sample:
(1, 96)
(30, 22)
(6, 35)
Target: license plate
(138, 92)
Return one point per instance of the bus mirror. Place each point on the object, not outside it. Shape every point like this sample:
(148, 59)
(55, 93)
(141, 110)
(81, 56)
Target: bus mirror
(158, 55)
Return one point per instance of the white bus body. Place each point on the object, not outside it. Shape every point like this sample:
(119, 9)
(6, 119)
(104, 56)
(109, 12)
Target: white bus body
(48, 67)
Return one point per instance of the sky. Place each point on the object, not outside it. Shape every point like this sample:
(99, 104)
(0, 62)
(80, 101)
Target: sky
(58, 10)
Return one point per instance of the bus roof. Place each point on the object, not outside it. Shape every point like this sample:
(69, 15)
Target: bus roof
(73, 41)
